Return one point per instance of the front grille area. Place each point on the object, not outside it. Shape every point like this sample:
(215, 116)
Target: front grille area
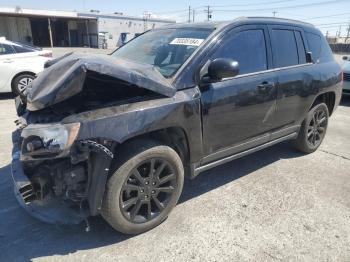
(346, 76)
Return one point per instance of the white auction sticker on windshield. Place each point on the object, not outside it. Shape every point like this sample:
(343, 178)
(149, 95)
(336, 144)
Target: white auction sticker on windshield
(187, 41)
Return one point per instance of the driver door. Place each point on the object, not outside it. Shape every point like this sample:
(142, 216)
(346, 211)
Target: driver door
(238, 112)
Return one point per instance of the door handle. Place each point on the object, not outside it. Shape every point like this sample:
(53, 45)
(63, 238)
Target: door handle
(265, 86)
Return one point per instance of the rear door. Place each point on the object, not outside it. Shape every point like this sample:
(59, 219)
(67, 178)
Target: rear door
(293, 75)
(236, 110)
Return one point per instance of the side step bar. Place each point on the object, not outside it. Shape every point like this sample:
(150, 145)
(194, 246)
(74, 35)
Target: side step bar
(200, 169)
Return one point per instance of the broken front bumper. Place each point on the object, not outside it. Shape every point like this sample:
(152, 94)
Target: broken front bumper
(50, 211)
(62, 208)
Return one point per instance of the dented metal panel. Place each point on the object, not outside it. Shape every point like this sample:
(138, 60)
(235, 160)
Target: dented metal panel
(65, 78)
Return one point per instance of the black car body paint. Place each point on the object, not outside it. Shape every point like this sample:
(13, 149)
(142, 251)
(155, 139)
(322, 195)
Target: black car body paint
(208, 123)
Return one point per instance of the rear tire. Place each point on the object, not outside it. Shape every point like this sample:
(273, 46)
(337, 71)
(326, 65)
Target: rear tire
(21, 82)
(313, 129)
(136, 199)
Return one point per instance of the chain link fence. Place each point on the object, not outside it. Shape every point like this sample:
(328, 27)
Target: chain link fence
(340, 48)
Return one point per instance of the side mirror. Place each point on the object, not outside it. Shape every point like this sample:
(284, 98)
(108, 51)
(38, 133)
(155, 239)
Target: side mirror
(345, 58)
(222, 68)
(309, 58)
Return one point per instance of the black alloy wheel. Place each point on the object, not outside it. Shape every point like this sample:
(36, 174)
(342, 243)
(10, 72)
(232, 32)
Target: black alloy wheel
(313, 129)
(147, 190)
(144, 188)
(317, 128)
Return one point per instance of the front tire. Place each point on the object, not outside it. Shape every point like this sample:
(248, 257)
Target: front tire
(21, 82)
(313, 129)
(144, 189)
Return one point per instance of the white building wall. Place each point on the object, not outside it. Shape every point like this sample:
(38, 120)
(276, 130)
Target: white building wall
(115, 25)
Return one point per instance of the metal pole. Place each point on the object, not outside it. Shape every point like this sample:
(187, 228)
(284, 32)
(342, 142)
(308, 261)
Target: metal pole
(50, 31)
(208, 10)
(87, 32)
(69, 40)
(194, 12)
(189, 14)
(348, 34)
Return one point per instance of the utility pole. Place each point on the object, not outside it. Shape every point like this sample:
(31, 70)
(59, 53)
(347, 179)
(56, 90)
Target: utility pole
(348, 34)
(339, 32)
(146, 17)
(193, 14)
(208, 13)
(274, 13)
(189, 14)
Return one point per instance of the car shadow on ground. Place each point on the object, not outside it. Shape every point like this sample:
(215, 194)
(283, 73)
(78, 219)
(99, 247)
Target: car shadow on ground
(19, 231)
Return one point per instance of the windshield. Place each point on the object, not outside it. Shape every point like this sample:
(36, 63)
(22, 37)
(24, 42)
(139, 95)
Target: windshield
(166, 49)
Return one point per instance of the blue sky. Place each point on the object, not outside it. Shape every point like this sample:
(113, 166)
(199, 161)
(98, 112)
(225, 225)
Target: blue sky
(328, 15)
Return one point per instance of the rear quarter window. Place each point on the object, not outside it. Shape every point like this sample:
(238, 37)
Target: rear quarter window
(321, 52)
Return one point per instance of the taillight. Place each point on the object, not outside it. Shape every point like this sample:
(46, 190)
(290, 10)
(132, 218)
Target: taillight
(46, 55)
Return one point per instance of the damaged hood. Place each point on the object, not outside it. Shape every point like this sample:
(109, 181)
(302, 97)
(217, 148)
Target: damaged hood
(64, 77)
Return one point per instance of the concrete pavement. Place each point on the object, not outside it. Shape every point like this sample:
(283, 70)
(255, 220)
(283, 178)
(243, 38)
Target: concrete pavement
(276, 204)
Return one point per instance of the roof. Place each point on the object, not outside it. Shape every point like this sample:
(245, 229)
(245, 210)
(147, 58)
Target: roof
(203, 25)
(277, 20)
(3, 40)
(239, 20)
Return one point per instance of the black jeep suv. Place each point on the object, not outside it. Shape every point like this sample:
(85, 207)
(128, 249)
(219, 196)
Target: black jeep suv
(115, 135)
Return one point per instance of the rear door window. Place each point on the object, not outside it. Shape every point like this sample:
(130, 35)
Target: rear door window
(285, 50)
(248, 48)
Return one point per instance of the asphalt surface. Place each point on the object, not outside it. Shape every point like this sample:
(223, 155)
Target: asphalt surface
(274, 205)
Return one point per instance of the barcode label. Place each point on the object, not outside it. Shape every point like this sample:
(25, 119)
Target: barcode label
(187, 41)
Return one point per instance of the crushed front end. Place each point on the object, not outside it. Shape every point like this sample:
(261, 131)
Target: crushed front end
(60, 176)
(57, 178)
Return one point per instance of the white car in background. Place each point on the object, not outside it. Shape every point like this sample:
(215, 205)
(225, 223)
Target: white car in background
(19, 64)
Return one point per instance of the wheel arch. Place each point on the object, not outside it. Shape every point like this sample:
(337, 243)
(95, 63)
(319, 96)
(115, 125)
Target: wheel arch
(328, 98)
(174, 137)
